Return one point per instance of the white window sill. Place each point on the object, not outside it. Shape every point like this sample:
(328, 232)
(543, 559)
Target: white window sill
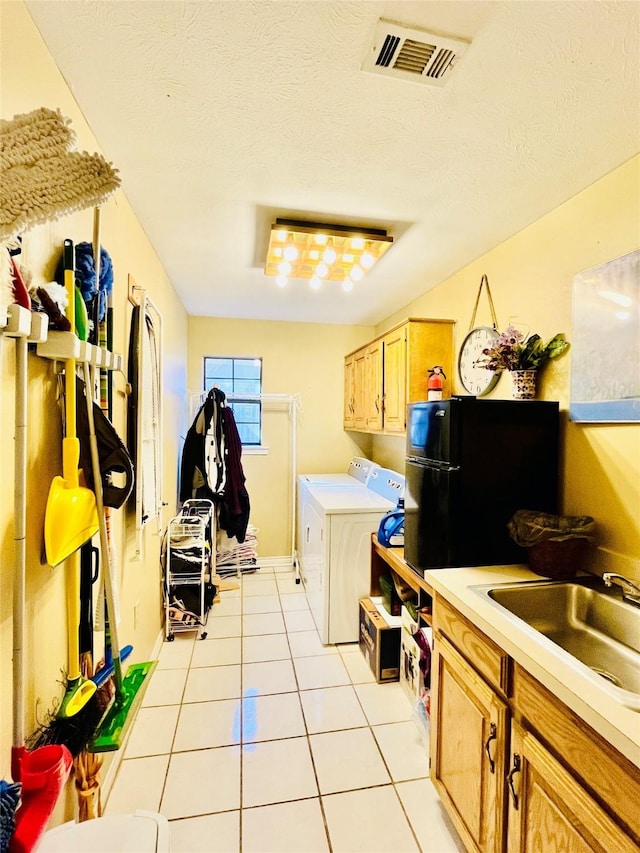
(254, 450)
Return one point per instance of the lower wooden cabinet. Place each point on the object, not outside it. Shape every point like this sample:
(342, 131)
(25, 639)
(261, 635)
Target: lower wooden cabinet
(468, 748)
(549, 810)
(515, 768)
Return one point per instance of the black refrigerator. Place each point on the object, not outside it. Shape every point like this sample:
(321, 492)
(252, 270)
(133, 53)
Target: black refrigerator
(470, 465)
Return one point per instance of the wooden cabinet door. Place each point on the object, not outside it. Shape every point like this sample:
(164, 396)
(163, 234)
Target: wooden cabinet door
(359, 389)
(469, 731)
(395, 380)
(549, 810)
(373, 386)
(349, 397)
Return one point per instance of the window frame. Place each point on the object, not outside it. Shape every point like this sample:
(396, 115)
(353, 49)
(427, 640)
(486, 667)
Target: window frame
(238, 399)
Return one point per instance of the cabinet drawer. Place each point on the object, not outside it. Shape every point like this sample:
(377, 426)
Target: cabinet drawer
(488, 659)
(611, 779)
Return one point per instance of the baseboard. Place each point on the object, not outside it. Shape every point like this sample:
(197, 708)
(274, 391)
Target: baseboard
(276, 562)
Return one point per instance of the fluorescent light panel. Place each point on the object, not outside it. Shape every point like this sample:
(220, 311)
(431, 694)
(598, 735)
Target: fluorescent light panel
(330, 252)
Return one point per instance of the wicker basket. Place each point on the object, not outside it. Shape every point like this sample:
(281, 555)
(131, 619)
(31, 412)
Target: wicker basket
(558, 559)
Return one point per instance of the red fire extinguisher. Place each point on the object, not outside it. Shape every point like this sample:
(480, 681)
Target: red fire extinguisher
(435, 383)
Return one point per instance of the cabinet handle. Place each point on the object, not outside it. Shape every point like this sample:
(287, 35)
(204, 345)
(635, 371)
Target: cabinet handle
(493, 734)
(308, 528)
(515, 769)
(377, 404)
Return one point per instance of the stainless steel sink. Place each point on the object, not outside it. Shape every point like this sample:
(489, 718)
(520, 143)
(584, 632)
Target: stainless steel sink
(588, 620)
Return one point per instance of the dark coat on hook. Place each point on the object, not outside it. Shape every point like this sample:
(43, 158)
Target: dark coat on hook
(212, 467)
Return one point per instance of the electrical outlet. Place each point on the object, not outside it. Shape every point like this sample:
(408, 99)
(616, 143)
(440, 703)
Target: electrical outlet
(135, 614)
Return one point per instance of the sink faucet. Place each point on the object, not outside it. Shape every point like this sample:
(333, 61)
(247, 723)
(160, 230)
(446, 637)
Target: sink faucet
(630, 589)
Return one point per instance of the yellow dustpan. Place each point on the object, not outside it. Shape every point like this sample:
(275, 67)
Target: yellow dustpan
(70, 517)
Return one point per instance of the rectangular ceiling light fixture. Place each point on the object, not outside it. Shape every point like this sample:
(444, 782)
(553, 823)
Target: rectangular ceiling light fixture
(321, 252)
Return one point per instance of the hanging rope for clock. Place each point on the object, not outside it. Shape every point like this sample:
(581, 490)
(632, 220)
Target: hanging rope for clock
(484, 280)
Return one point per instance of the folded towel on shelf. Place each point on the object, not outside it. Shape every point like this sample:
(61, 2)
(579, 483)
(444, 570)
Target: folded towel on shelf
(232, 555)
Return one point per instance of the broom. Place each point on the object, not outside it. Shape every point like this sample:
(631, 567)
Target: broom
(129, 690)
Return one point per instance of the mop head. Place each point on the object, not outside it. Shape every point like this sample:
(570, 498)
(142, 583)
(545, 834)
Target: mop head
(42, 178)
(29, 137)
(112, 732)
(86, 274)
(9, 799)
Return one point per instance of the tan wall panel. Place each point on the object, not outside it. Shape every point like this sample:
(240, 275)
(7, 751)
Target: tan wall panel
(298, 358)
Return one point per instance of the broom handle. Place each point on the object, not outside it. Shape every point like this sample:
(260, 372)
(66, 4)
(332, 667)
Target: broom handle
(104, 545)
(70, 462)
(19, 504)
(97, 484)
(70, 444)
(72, 581)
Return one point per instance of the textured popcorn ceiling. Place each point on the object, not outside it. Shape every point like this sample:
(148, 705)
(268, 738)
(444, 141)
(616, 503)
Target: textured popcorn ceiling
(223, 115)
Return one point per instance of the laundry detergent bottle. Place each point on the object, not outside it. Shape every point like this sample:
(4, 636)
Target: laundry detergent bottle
(391, 530)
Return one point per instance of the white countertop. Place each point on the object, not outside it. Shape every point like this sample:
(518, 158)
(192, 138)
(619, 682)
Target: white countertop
(584, 692)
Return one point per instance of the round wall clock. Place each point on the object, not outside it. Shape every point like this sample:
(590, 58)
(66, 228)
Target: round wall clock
(475, 379)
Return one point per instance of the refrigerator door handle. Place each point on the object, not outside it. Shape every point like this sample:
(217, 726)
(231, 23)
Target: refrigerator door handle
(432, 463)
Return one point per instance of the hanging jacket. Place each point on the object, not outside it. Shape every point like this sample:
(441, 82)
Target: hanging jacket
(211, 464)
(235, 507)
(116, 467)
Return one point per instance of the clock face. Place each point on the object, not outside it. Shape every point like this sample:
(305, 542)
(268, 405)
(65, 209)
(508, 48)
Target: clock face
(475, 379)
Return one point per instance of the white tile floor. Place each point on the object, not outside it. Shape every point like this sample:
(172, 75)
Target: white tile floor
(260, 739)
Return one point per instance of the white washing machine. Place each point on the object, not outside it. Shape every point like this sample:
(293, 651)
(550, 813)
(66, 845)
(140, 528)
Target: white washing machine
(334, 548)
(358, 473)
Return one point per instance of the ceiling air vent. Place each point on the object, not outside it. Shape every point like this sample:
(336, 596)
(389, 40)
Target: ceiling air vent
(410, 54)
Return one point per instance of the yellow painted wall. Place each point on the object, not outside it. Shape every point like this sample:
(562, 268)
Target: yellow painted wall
(30, 80)
(298, 358)
(531, 277)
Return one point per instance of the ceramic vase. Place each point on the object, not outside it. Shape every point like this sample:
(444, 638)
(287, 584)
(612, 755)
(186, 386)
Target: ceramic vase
(524, 384)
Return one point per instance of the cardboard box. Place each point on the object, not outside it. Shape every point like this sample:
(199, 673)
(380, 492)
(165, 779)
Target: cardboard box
(379, 642)
(408, 622)
(410, 674)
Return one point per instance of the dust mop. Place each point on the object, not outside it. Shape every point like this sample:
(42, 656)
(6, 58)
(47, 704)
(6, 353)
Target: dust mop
(42, 177)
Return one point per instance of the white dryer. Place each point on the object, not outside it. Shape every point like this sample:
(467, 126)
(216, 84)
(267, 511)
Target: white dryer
(358, 473)
(335, 551)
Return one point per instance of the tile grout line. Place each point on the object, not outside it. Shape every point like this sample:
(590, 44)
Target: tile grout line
(308, 739)
(298, 691)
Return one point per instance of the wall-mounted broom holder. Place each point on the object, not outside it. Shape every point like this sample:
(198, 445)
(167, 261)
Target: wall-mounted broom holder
(60, 346)
(22, 323)
(57, 346)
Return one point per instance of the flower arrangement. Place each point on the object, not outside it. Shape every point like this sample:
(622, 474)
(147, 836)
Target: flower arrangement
(511, 350)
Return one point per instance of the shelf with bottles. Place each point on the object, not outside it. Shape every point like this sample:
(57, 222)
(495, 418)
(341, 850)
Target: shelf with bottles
(385, 561)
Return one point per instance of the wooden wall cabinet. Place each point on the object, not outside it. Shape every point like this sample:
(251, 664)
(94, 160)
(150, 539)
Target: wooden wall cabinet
(354, 390)
(373, 385)
(349, 392)
(516, 769)
(394, 373)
